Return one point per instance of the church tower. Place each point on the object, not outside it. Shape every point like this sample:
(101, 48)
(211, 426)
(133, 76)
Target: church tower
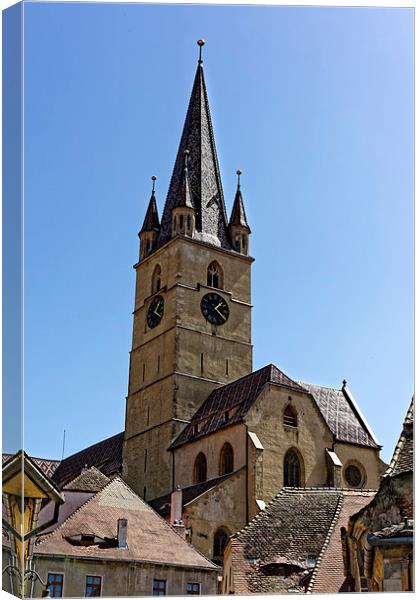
(192, 314)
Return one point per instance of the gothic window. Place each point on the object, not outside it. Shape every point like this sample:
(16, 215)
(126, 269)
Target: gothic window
(200, 468)
(214, 275)
(291, 469)
(226, 459)
(221, 538)
(156, 279)
(289, 417)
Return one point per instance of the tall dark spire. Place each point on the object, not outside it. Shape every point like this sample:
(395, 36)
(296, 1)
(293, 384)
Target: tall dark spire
(205, 186)
(238, 216)
(151, 220)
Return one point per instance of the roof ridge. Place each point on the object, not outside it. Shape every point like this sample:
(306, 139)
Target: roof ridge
(92, 446)
(337, 512)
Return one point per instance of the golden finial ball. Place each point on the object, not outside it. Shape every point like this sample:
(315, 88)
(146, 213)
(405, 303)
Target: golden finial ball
(201, 42)
(153, 177)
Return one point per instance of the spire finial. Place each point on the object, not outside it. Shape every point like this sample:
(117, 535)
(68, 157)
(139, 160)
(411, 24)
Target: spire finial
(201, 44)
(239, 173)
(344, 384)
(153, 178)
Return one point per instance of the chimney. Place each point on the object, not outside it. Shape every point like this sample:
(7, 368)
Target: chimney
(176, 512)
(176, 505)
(122, 533)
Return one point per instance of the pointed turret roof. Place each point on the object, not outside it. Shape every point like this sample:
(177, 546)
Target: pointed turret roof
(205, 186)
(238, 216)
(151, 220)
(184, 198)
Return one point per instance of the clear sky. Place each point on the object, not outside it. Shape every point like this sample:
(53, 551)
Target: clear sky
(315, 105)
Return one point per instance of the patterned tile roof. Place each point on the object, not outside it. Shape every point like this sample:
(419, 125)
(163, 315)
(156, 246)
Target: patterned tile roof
(270, 554)
(204, 182)
(47, 466)
(151, 220)
(238, 215)
(106, 456)
(229, 404)
(149, 537)
(403, 457)
(341, 415)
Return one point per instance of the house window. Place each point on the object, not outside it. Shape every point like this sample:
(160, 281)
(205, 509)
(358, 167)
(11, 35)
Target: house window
(289, 417)
(193, 589)
(156, 279)
(200, 468)
(93, 586)
(55, 585)
(159, 587)
(214, 275)
(221, 538)
(291, 469)
(226, 459)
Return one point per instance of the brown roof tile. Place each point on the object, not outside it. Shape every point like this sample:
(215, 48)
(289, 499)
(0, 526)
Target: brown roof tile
(105, 456)
(236, 399)
(149, 537)
(89, 480)
(340, 415)
(403, 457)
(293, 527)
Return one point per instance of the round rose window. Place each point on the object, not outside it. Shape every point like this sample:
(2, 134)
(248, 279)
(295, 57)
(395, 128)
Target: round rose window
(353, 476)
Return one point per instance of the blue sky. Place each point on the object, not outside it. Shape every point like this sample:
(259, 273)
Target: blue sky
(315, 105)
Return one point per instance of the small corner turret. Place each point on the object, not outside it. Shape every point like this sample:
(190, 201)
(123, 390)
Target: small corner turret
(149, 232)
(183, 212)
(238, 225)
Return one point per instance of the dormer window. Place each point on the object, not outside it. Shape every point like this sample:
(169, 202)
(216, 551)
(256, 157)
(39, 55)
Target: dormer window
(214, 275)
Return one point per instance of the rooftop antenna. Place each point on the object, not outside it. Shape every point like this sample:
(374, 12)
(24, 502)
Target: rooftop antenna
(201, 44)
(64, 444)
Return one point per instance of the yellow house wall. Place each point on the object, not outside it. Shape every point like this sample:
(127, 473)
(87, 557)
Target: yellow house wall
(366, 458)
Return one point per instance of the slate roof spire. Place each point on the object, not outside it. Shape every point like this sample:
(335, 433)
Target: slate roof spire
(184, 199)
(238, 216)
(204, 182)
(151, 220)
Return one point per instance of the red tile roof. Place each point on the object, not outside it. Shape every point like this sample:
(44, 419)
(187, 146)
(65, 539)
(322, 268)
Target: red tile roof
(47, 466)
(149, 537)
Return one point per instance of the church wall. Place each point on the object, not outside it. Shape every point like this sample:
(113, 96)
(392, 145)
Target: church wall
(223, 506)
(311, 437)
(211, 447)
(367, 459)
(122, 578)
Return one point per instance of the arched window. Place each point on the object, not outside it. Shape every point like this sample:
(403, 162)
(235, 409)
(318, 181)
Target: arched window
(214, 275)
(226, 459)
(291, 469)
(289, 417)
(200, 468)
(221, 538)
(156, 279)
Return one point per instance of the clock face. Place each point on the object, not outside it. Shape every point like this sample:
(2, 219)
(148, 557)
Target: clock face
(215, 309)
(155, 312)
